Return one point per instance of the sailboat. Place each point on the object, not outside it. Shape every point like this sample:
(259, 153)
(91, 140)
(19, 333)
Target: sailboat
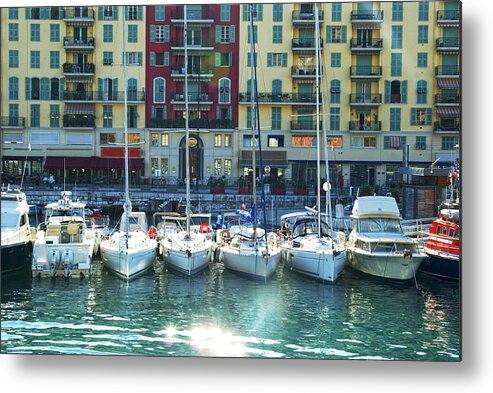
(185, 250)
(129, 252)
(250, 250)
(312, 249)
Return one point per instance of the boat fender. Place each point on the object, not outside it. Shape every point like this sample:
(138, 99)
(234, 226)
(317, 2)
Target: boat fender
(221, 255)
(225, 235)
(152, 232)
(289, 256)
(407, 253)
(205, 228)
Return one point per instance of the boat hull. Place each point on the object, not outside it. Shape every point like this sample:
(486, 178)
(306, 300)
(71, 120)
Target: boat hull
(442, 266)
(15, 257)
(128, 264)
(187, 263)
(388, 266)
(252, 264)
(324, 266)
(65, 260)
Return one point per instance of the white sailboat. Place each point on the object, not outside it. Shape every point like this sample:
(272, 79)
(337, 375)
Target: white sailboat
(312, 249)
(129, 252)
(185, 250)
(251, 251)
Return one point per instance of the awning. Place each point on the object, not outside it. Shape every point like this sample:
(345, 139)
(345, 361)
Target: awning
(79, 109)
(192, 106)
(448, 83)
(367, 25)
(119, 163)
(70, 162)
(448, 111)
(276, 159)
(448, 24)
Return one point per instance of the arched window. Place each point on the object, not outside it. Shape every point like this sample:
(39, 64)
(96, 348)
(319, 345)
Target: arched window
(34, 88)
(54, 89)
(276, 86)
(13, 88)
(421, 92)
(224, 91)
(335, 91)
(159, 90)
(395, 92)
(132, 89)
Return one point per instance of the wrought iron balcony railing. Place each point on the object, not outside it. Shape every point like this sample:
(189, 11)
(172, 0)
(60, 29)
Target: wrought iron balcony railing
(193, 15)
(288, 98)
(194, 123)
(193, 43)
(365, 99)
(192, 96)
(447, 42)
(369, 16)
(448, 15)
(12, 121)
(305, 125)
(72, 42)
(447, 70)
(363, 126)
(447, 99)
(446, 126)
(87, 68)
(307, 16)
(305, 71)
(79, 121)
(367, 71)
(357, 44)
(305, 43)
(83, 13)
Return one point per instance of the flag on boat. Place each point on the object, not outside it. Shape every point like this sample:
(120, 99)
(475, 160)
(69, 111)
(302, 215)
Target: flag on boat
(247, 215)
(243, 206)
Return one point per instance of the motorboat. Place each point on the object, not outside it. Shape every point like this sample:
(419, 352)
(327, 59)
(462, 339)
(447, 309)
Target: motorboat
(100, 223)
(377, 245)
(16, 231)
(64, 245)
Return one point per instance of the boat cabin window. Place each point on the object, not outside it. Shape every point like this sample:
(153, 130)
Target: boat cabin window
(9, 220)
(444, 231)
(380, 225)
(438, 229)
(457, 233)
(451, 232)
(24, 220)
(307, 227)
(66, 213)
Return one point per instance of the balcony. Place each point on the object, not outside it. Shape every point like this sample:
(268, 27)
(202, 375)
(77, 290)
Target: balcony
(447, 127)
(87, 69)
(280, 98)
(358, 126)
(373, 18)
(81, 16)
(119, 96)
(193, 98)
(365, 99)
(194, 18)
(81, 96)
(194, 74)
(78, 44)
(449, 17)
(194, 123)
(445, 44)
(365, 72)
(447, 71)
(309, 72)
(451, 100)
(12, 122)
(305, 44)
(305, 125)
(306, 17)
(196, 46)
(364, 46)
(79, 121)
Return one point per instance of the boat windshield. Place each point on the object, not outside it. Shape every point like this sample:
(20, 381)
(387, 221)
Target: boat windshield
(198, 220)
(9, 220)
(390, 225)
(309, 227)
(66, 213)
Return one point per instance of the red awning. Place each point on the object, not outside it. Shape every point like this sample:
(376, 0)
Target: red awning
(119, 163)
(70, 162)
(448, 111)
(448, 83)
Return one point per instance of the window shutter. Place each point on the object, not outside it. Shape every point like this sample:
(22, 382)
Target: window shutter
(217, 59)
(115, 88)
(100, 88)
(28, 13)
(152, 58)
(328, 36)
(152, 33)
(100, 13)
(403, 92)
(245, 12)
(343, 34)
(387, 92)
(28, 88)
(139, 58)
(403, 141)
(232, 33)
(269, 59)
(413, 116)
(139, 12)
(284, 59)
(218, 33)
(45, 89)
(166, 59)
(386, 142)
(61, 88)
(230, 59)
(260, 12)
(115, 13)
(429, 114)
(230, 113)
(218, 112)
(45, 13)
(166, 33)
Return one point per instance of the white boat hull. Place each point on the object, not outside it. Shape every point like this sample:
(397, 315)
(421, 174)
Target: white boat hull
(69, 260)
(251, 262)
(187, 263)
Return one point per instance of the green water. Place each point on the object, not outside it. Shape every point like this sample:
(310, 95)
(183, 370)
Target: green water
(221, 314)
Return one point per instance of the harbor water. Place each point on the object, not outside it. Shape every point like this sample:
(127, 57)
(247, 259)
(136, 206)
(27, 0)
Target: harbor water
(218, 313)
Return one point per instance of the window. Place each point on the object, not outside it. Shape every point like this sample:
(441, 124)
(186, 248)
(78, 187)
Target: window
(45, 138)
(159, 90)
(133, 138)
(164, 139)
(13, 32)
(421, 92)
(422, 34)
(335, 91)
(13, 88)
(35, 32)
(247, 141)
(225, 34)
(396, 64)
(420, 143)
(108, 13)
(164, 166)
(45, 89)
(335, 59)
(249, 118)
(336, 12)
(54, 33)
(105, 138)
(277, 34)
(134, 58)
(217, 167)
(422, 58)
(134, 12)
(35, 115)
(396, 92)
(395, 119)
(258, 11)
(228, 166)
(364, 142)
(34, 13)
(277, 12)
(255, 35)
(277, 59)
(14, 114)
(394, 142)
(107, 118)
(249, 59)
(55, 89)
(276, 86)
(218, 140)
(449, 142)
(159, 12)
(161, 33)
(154, 141)
(107, 33)
(55, 115)
(227, 140)
(423, 11)
(397, 11)
(336, 34)
(132, 33)
(11, 137)
(224, 91)
(421, 116)
(35, 59)
(304, 141)
(225, 13)
(54, 59)
(276, 118)
(334, 141)
(13, 59)
(13, 13)
(275, 141)
(107, 58)
(396, 37)
(335, 119)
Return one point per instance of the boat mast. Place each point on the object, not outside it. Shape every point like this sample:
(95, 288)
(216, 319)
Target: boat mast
(187, 131)
(317, 91)
(127, 207)
(253, 115)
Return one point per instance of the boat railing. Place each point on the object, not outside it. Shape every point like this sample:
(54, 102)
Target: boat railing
(416, 227)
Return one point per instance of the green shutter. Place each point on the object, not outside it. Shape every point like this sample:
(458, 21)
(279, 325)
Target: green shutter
(45, 13)
(387, 92)
(166, 59)
(217, 59)
(413, 116)
(115, 13)
(403, 92)
(244, 17)
(230, 59)
(100, 88)
(218, 111)
(44, 89)
(218, 34)
(429, 114)
(386, 142)
(28, 88)
(139, 58)
(284, 59)
(166, 33)
(139, 12)
(152, 33)
(152, 58)
(260, 12)
(100, 13)
(269, 59)
(61, 87)
(328, 36)
(343, 34)
(403, 141)
(232, 33)
(115, 88)
(28, 13)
